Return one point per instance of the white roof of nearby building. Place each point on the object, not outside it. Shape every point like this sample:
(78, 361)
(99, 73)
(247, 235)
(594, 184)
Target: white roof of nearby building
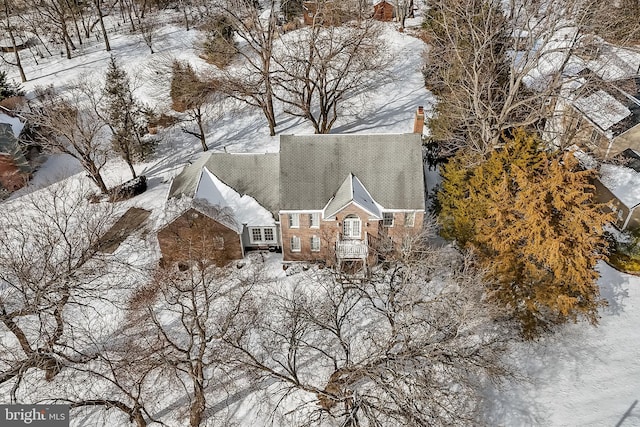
(245, 208)
(602, 109)
(16, 124)
(623, 182)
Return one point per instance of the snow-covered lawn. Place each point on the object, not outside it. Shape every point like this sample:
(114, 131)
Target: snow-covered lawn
(579, 376)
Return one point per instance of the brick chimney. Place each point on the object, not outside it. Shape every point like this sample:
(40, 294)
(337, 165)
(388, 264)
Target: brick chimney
(418, 124)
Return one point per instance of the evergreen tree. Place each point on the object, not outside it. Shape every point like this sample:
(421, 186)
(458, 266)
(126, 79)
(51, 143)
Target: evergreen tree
(7, 88)
(530, 217)
(125, 117)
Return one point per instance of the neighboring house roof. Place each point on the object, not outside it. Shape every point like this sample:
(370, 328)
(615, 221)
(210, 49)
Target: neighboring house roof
(352, 191)
(9, 146)
(632, 159)
(245, 209)
(253, 174)
(613, 109)
(313, 167)
(16, 124)
(623, 182)
(602, 109)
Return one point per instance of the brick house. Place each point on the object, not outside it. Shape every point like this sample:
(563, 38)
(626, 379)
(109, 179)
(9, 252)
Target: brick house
(332, 198)
(14, 167)
(200, 235)
(383, 11)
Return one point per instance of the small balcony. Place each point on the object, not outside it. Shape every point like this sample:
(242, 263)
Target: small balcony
(352, 248)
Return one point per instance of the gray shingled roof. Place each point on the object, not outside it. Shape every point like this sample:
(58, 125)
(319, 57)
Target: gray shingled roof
(252, 174)
(312, 168)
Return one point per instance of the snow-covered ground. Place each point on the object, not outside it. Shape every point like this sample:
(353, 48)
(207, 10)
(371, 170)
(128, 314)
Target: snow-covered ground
(581, 376)
(577, 377)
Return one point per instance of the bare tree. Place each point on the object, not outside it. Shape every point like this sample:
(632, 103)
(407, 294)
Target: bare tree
(183, 318)
(9, 28)
(148, 28)
(98, 4)
(252, 82)
(124, 373)
(56, 15)
(49, 265)
(494, 69)
(411, 346)
(321, 67)
(74, 126)
(195, 95)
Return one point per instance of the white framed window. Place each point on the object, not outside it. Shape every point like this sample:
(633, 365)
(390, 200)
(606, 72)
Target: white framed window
(218, 242)
(262, 235)
(314, 220)
(315, 244)
(269, 235)
(409, 219)
(351, 227)
(256, 235)
(294, 220)
(387, 219)
(295, 244)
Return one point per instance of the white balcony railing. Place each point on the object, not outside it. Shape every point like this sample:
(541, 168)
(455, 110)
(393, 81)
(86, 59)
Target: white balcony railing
(352, 249)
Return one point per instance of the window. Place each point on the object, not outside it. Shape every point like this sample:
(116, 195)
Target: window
(256, 235)
(315, 244)
(261, 235)
(218, 242)
(314, 220)
(268, 235)
(387, 219)
(294, 220)
(295, 244)
(351, 227)
(409, 219)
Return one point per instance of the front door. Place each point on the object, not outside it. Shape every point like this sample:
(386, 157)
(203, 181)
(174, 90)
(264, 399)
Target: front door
(351, 227)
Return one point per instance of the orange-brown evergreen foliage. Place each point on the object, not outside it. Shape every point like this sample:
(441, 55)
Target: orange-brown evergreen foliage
(536, 230)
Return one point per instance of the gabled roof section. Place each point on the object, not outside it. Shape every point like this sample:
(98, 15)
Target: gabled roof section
(254, 174)
(313, 166)
(352, 191)
(245, 209)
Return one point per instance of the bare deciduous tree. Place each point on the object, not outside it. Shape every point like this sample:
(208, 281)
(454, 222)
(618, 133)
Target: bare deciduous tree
(252, 83)
(411, 346)
(148, 28)
(184, 316)
(195, 95)
(494, 69)
(74, 126)
(320, 67)
(8, 25)
(49, 265)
